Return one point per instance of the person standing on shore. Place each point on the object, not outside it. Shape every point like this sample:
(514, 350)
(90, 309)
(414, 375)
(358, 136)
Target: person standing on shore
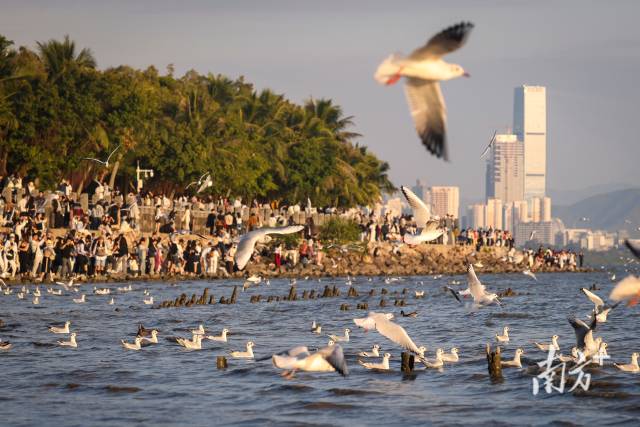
(122, 253)
(142, 251)
(580, 258)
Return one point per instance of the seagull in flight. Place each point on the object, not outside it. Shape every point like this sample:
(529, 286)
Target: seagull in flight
(105, 163)
(248, 242)
(423, 69)
(382, 323)
(327, 359)
(478, 291)
(486, 150)
(421, 212)
(601, 311)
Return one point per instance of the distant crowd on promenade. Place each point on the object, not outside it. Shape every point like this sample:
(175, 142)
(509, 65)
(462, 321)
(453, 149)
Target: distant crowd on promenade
(104, 238)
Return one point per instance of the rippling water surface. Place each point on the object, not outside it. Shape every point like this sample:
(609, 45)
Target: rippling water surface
(101, 384)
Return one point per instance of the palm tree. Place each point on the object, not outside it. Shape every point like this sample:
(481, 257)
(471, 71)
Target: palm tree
(60, 56)
(333, 118)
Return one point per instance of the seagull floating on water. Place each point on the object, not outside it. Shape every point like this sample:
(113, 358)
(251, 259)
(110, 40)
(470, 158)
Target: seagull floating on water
(60, 329)
(630, 367)
(153, 339)
(132, 346)
(71, 343)
(374, 352)
(505, 335)
(80, 300)
(344, 338)
(148, 301)
(515, 363)
(194, 344)
(545, 346)
(423, 70)
(436, 363)
(315, 328)
(221, 338)
(451, 357)
(381, 366)
(248, 354)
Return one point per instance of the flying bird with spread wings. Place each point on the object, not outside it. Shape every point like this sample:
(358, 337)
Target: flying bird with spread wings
(106, 162)
(423, 69)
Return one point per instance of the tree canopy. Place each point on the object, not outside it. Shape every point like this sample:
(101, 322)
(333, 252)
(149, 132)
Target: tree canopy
(56, 107)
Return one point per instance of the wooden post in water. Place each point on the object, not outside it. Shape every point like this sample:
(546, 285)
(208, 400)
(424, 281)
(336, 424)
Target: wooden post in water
(234, 295)
(494, 364)
(221, 362)
(408, 361)
(292, 293)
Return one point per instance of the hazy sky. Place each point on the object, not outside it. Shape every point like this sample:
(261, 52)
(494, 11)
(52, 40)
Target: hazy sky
(587, 54)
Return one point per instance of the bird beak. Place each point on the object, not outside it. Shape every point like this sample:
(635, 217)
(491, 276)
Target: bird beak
(465, 74)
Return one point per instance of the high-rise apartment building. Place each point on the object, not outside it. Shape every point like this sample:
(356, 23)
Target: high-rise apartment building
(493, 216)
(530, 125)
(505, 169)
(444, 201)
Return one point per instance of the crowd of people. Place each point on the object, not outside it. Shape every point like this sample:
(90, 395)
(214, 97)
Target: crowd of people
(106, 237)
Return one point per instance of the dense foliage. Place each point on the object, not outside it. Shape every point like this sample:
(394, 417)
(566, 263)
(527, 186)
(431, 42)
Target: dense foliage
(56, 108)
(340, 230)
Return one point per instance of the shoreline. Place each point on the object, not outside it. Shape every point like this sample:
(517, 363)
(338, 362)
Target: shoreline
(424, 260)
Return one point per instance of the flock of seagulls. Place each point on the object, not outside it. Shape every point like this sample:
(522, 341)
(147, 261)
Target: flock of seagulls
(331, 358)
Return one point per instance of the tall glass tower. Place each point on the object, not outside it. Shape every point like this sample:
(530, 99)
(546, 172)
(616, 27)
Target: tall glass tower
(530, 126)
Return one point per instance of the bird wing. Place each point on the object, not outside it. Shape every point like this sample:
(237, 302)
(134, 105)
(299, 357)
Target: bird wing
(486, 150)
(593, 297)
(204, 185)
(477, 289)
(414, 239)
(634, 246)
(248, 241)
(421, 211)
(202, 177)
(94, 160)
(429, 114)
(335, 357)
(366, 323)
(114, 150)
(581, 330)
(432, 225)
(446, 41)
(454, 293)
(627, 288)
(394, 332)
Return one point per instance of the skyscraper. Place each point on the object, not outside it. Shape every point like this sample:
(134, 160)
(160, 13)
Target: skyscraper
(505, 169)
(530, 125)
(444, 200)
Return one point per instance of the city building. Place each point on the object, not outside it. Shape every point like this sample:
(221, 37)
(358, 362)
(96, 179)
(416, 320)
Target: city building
(505, 169)
(535, 209)
(493, 215)
(530, 126)
(545, 207)
(444, 201)
(475, 216)
(542, 233)
(421, 190)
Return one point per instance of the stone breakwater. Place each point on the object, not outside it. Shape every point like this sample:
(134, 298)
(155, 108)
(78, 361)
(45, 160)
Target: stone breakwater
(384, 259)
(389, 260)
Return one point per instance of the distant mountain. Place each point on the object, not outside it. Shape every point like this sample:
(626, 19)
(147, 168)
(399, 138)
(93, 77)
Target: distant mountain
(569, 197)
(616, 210)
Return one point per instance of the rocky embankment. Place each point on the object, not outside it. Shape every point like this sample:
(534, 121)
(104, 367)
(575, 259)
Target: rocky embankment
(386, 259)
